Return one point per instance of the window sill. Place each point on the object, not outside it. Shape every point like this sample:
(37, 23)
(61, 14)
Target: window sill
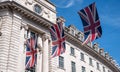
(73, 55)
(91, 65)
(83, 60)
(61, 68)
(98, 69)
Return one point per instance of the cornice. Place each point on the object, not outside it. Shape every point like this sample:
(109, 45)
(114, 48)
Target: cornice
(50, 2)
(75, 41)
(25, 12)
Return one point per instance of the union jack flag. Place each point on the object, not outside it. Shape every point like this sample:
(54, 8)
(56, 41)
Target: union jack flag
(58, 39)
(31, 51)
(91, 23)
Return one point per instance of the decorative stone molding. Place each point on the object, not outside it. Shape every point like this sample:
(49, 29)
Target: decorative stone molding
(25, 27)
(39, 44)
(0, 33)
(80, 36)
(96, 47)
(101, 51)
(44, 37)
(106, 55)
(0, 26)
(60, 19)
(47, 12)
(30, 2)
(110, 59)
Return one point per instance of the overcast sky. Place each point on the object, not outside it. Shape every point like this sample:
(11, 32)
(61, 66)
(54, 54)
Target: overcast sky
(109, 13)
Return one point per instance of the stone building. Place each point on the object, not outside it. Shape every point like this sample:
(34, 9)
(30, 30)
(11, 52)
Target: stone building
(21, 17)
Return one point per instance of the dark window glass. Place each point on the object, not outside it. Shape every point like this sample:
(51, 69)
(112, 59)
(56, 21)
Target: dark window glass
(73, 66)
(82, 57)
(61, 62)
(83, 69)
(103, 69)
(98, 67)
(72, 51)
(90, 61)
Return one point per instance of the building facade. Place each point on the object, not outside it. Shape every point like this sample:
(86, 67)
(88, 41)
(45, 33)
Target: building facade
(18, 18)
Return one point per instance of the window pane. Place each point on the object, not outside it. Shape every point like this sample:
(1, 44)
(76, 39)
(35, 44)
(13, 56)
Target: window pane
(82, 56)
(98, 66)
(72, 51)
(91, 71)
(103, 69)
(83, 69)
(61, 62)
(90, 61)
(73, 66)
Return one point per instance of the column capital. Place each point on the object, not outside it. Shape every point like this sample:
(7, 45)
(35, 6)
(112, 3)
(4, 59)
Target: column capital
(25, 27)
(45, 37)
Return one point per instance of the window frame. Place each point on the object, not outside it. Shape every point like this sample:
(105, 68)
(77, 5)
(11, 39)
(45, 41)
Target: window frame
(83, 69)
(72, 51)
(61, 62)
(98, 66)
(91, 61)
(73, 66)
(82, 56)
(104, 69)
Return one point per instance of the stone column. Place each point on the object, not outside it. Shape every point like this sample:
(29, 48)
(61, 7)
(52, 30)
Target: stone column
(22, 53)
(45, 63)
(39, 54)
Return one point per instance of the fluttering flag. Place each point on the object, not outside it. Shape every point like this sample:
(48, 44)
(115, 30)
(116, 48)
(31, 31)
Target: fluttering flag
(58, 39)
(91, 23)
(31, 51)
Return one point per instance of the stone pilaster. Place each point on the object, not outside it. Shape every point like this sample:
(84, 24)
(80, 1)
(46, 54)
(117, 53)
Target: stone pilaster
(39, 55)
(45, 62)
(5, 42)
(13, 52)
(22, 49)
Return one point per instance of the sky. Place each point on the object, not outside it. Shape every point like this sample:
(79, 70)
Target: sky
(109, 14)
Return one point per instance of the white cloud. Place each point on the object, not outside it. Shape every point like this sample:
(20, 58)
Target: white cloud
(109, 20)
(66, 3)
(69, 4)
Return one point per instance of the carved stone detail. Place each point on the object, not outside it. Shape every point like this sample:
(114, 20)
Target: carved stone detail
(44, 37)
(0, 26)
(30, 2)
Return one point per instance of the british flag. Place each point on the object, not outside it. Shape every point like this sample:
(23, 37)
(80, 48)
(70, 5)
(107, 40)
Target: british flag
(31, 51)
(91, 23)
(58, 39)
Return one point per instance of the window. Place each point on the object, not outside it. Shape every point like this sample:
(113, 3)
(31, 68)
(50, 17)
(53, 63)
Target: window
(98, 67)
(91, 71)
(61, 62)
(72, 51)
(83, 69)
(82, 57)
(90, 61)
(37, 9)
(73, 66)
(103, 69)
(108, 70)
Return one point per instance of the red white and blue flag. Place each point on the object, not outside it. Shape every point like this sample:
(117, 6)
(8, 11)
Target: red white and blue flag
(91, 23)
(58, 39)
(31, 51)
